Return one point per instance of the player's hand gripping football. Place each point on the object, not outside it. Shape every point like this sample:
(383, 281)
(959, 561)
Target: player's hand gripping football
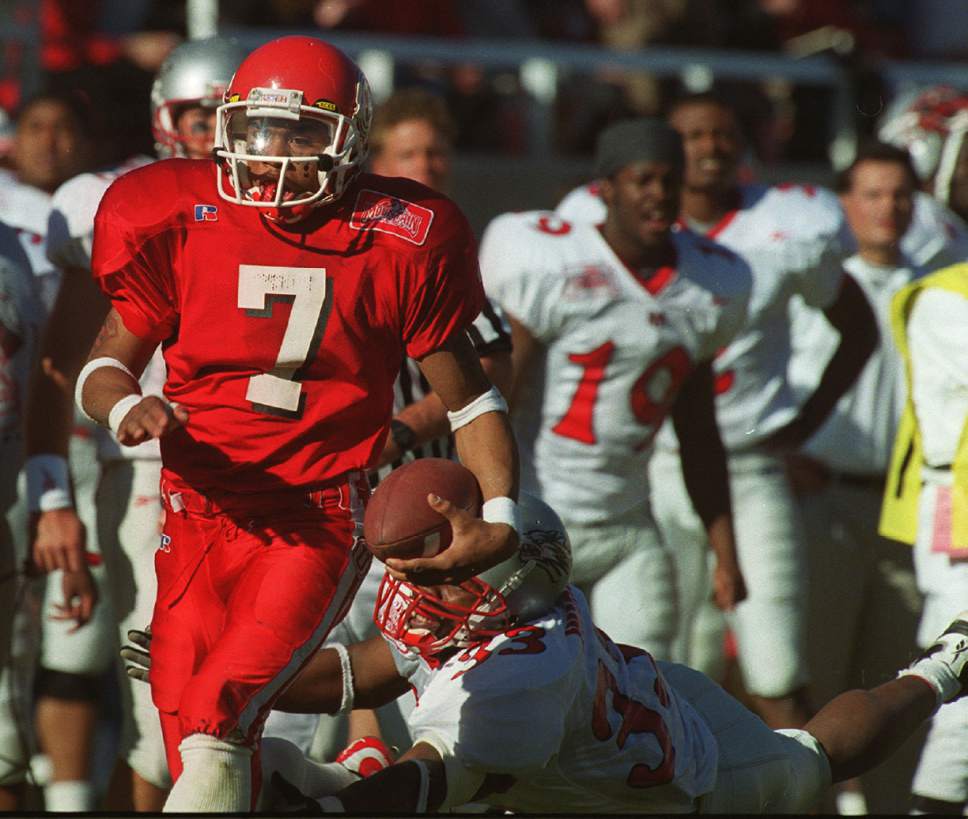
(476, 546)
(151, 417)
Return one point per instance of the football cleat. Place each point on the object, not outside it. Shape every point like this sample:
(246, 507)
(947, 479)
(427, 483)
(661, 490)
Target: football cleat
(366, 756)
(944, 664)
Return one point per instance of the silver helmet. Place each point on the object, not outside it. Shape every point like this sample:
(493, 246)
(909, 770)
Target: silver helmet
(430, 619)
(197, 72)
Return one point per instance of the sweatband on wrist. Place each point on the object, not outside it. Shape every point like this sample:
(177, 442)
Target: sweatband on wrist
(48, 483)
(121, 409)
(85, 373)
(423, 791)
(346, 669)
(490, 401)
(502, 509)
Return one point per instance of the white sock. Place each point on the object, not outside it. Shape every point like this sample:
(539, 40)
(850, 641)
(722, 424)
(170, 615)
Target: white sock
(216, 777)
(936, 674)
(69, 795)
(312, 779)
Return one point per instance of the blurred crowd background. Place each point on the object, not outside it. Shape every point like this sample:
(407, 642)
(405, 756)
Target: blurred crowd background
(530, 80)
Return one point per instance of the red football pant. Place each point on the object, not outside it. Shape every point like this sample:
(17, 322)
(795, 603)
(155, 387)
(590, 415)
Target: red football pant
(246, 595)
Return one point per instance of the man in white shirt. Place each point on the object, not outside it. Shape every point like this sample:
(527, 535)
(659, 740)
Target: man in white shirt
(864, 603)
(615, 327)
(926, 496)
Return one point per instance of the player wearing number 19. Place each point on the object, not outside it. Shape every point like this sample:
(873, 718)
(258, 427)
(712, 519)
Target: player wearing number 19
(614, 328)
(285, 287)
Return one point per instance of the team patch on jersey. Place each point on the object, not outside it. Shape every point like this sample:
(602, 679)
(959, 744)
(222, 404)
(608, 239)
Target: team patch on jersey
(579, 283)
(388, 214)
(206, 213)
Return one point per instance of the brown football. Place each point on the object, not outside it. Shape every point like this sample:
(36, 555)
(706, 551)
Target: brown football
(400, 523)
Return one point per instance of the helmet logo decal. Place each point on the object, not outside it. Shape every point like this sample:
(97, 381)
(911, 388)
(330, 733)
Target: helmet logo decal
(548, 550)
(326, 105)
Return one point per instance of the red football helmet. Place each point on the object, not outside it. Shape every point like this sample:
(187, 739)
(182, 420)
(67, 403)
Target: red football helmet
(292, 132)
(431, 619)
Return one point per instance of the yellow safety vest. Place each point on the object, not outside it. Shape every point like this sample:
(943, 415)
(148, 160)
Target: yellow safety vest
(899, 512)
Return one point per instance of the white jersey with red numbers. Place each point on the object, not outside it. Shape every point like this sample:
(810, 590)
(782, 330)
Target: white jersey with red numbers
(25, 209)
(282, 342)
(791, 237)
(617, 347)
(788, 234)
(70, 236)
(572, 720)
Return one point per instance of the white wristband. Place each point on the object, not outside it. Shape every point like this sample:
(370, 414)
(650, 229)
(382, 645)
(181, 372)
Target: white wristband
(490, 401)
(349, 691)
(85, 373)
(48, 483)
(121, 409)
(502, 510)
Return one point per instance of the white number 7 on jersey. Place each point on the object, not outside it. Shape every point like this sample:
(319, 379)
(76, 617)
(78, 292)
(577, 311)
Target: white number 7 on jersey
(260, 286)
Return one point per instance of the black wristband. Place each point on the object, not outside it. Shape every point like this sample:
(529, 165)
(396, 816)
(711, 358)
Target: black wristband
(403, 436)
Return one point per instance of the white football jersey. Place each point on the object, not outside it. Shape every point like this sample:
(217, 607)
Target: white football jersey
(617, 346)
(574, 721)
(26, 209)
(70, 235)
(788, 234)
(583, 204)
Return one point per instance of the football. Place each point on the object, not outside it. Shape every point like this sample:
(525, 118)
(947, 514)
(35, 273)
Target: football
(400, 523)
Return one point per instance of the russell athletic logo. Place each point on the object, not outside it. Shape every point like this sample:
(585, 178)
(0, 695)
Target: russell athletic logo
(206, 213)
(165, 545)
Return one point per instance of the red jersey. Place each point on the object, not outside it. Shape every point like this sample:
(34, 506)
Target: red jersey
(282, 342)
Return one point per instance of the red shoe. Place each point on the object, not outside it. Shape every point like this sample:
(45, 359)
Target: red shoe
(366, 756)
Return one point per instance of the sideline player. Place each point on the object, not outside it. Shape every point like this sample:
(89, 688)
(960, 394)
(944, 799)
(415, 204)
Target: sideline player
(284, 316)
(614, 328)
(20, 324)
(185, 93)
(526, 705)
(863, 599)
(52, 142)
(926, 497)
(788, 234)
(412, 136)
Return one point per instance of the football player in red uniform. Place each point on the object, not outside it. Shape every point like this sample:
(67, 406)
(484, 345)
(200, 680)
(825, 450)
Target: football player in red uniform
(284, 317)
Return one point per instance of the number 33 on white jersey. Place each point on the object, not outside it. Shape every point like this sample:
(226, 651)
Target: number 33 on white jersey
(618, 345)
